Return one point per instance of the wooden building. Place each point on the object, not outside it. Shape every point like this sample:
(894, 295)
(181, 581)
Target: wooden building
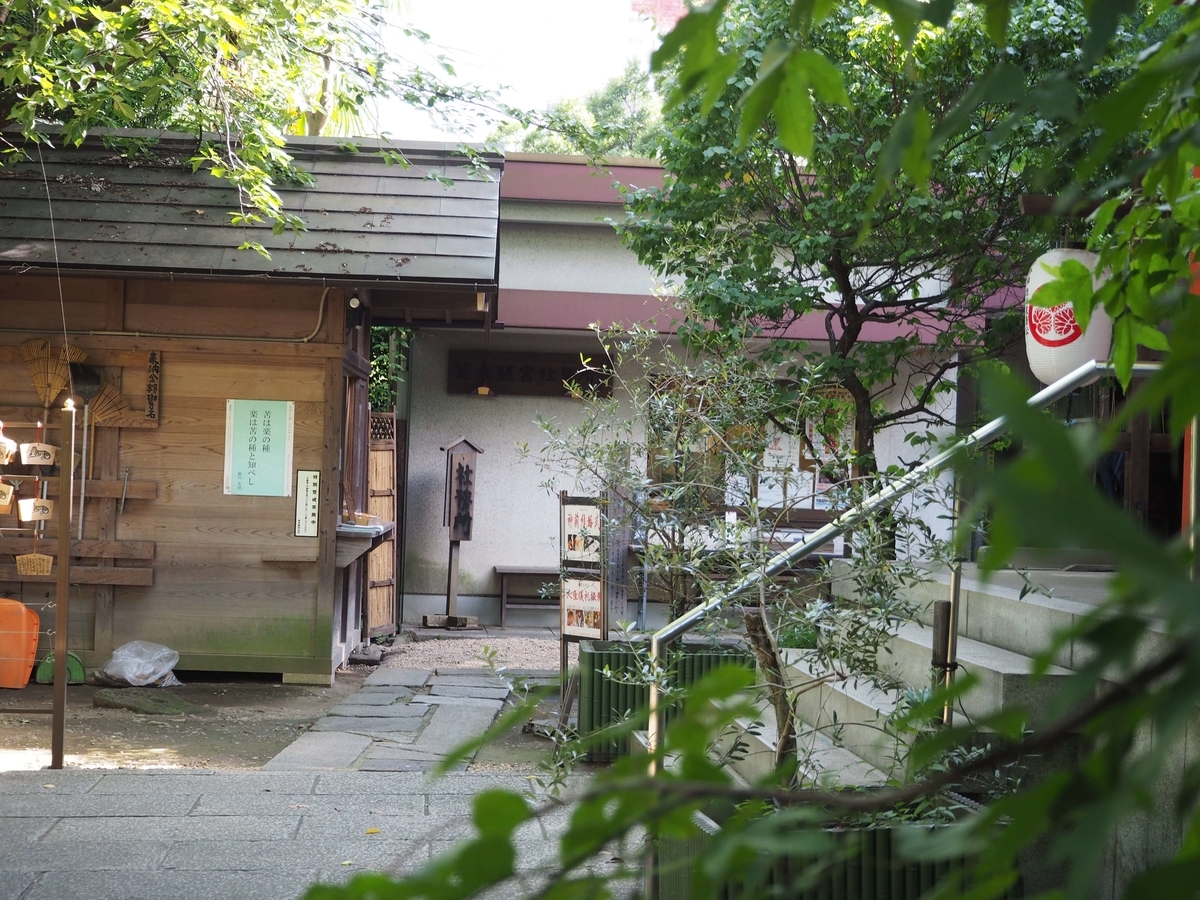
(131, 260)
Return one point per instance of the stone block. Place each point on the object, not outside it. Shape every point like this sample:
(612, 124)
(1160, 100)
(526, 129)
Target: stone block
(452, 726)
(85, 856)
(395, 751)
(353, 709)
(441, 700)
(378, 696)
(43, 782)
(81, 805)
(201, 781)
(383, 689)
(474, 679)
(398, 765)
(13, 883)
(121, 829)
(320, 750)
(368, 725)
(403, 805)
(363, 852)
(462, 690)
(389, 676)
(159, 885)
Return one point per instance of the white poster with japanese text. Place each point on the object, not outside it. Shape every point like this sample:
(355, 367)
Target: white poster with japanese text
(258, 447)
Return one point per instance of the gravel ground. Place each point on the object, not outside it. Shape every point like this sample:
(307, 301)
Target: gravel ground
(468, 653)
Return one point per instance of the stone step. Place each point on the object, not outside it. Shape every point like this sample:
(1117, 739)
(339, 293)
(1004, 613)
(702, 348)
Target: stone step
(823, 762)
(848, 713)
(996, 613)
(1005, 678)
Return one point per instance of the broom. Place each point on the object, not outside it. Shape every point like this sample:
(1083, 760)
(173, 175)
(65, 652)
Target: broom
(50, 372)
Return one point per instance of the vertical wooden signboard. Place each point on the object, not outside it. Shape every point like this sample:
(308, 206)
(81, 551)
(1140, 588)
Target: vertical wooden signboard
(458, 511)
(618, 535)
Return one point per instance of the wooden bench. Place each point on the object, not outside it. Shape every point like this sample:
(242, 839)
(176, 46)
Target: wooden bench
(506, 572)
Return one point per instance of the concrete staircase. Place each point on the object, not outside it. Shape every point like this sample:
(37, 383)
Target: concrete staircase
(1000, 624)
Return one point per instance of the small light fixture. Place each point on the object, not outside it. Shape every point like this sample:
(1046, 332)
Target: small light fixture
(484, 391)
(355, 303)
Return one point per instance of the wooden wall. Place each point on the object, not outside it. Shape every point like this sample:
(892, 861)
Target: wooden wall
(232, 588)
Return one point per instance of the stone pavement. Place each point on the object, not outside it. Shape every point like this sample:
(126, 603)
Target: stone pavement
(82, 834)
(400, 720)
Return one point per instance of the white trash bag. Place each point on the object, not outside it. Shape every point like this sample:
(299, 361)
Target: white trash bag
(141, 663)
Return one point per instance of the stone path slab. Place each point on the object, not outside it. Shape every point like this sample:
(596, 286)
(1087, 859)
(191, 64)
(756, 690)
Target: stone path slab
(401, 720)
(373, 724)
(485, 681)
(320, 750)
(353, 709)
(461, 690)
(381, 696)
(403, 677)
(441, 700)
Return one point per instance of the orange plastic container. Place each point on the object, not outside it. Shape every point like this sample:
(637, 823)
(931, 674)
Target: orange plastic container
(18, 642)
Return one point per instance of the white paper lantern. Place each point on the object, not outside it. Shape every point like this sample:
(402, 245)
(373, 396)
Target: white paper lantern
(1054, 342)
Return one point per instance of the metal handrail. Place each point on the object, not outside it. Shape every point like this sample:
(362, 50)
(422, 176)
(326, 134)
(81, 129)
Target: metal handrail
(785, 559)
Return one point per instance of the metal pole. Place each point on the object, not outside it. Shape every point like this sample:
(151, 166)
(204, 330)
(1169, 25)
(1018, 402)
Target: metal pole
(1193, 482)
(654, 725)
(66, 483)
(955, 590)
(83, 470)
(785, 559)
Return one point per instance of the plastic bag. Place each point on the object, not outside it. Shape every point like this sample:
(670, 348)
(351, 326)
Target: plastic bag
(140, 663)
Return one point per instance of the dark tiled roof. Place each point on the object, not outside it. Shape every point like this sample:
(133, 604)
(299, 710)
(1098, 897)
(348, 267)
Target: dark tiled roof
(368, 222)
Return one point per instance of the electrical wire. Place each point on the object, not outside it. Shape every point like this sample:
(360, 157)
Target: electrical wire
(62, 303)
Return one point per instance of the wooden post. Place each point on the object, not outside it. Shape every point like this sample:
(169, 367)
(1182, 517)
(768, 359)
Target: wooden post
(452, 581)
(66, 490)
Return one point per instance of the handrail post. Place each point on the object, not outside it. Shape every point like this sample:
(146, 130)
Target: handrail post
(956, 562)
(653, 706)
(1193, 495)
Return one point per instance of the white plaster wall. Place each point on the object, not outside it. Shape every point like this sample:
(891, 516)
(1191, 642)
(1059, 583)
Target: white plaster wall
(570, 258)
(516, 518)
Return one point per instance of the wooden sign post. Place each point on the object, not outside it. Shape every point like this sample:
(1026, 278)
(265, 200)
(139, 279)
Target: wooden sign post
(458, 514)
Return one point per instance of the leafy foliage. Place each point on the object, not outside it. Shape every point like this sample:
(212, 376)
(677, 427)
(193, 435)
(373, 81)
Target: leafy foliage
(239, 74)
(784, 228)
(386, 368)
(621, 119)
(1134, 693)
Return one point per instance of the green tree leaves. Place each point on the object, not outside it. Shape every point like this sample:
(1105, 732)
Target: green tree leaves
(240, 74)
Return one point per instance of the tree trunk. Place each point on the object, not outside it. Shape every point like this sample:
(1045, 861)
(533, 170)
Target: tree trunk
(758, 630)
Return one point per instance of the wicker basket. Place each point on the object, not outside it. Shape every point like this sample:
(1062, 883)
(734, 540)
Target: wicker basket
(34, 564)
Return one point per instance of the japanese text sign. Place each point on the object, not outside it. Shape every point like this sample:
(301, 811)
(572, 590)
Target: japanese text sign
(308, 496)
(581, 615)
(258, 447)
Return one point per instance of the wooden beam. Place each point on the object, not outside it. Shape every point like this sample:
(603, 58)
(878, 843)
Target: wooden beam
(143, 577)
(97, 489)
(89, 549)
(142, 344)
(356, 364)
(26, 417)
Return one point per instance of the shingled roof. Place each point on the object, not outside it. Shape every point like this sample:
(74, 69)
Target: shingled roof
(369, 223)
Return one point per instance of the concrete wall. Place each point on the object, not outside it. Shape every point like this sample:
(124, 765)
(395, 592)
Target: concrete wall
(516, 516)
